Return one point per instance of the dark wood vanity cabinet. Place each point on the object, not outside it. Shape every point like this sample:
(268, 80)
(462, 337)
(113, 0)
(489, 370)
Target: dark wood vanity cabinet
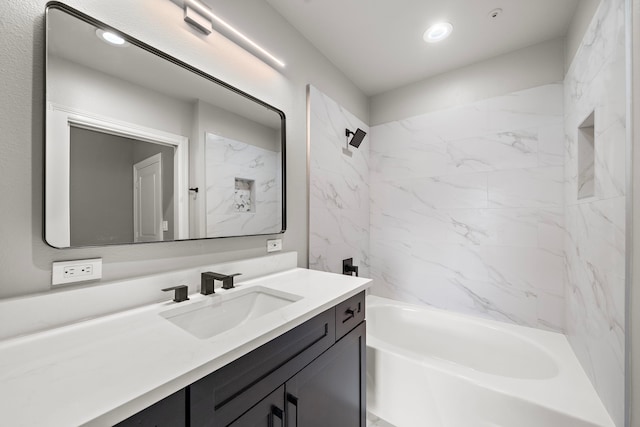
(327, 392)
(266, 413)
(169, 412)
(311, 376)
(330, 391)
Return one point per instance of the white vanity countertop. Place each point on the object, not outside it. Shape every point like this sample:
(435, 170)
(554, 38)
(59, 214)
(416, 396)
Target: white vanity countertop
(102, 371)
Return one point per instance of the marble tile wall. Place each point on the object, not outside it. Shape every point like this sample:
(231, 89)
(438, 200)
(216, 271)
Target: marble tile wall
(595, 242)
(227, 160)
(339, 188)
(467, 208)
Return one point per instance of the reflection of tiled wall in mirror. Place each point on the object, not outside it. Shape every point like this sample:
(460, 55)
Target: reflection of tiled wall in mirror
(243, 195)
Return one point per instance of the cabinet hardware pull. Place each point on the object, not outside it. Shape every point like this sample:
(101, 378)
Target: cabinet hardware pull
(292, 413)
(276, 412)
(350, 315)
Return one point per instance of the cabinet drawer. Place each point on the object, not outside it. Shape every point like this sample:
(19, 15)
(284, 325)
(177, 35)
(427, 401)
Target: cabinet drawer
(349, 314)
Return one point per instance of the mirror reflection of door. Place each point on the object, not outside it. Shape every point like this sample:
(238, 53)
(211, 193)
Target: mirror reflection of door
(147, 200)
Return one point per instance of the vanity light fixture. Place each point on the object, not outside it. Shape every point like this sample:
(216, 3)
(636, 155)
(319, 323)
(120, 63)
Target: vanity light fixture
(226, 29)
(110, 37)
(438, 32)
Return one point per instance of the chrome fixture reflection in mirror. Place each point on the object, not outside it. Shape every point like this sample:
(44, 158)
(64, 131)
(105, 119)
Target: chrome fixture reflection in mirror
(131, 133)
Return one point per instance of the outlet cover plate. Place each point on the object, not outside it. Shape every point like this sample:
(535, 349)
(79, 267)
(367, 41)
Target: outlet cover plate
(274, 245)
(76, 271)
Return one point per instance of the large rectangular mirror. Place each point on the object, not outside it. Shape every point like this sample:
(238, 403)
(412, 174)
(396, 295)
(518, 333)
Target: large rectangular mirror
(141, 147)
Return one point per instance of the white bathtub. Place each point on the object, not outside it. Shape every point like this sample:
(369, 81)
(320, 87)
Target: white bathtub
(432, 368)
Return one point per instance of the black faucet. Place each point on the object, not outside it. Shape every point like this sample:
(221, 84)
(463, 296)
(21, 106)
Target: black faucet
(181, 293)
(208, 278)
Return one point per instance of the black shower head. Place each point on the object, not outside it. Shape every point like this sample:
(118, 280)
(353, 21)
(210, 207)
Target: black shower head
(358, 136)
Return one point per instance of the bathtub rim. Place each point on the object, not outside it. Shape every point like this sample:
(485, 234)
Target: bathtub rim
(461, 319)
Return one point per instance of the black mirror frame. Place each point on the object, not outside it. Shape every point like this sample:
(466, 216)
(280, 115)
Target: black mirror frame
(132, 40)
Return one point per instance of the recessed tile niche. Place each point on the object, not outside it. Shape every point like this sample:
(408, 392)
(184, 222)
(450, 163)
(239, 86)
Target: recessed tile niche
(243, 200)
(586, 158)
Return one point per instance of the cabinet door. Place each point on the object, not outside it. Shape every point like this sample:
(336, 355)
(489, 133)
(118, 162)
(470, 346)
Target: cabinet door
(331, 390)
(269, 412)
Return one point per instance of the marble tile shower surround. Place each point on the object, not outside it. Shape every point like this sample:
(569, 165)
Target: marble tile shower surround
(228, 160)
(339, 188)
(595, 226)
(475, 208)
(467, 208)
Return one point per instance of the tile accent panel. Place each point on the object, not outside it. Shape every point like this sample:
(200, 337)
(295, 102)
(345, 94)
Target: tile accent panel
(595, 242)
(339, 188)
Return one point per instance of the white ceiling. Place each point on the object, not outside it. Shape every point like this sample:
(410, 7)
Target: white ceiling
(378, 43)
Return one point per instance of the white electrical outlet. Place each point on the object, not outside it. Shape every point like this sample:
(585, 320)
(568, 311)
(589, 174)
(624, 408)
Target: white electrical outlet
(274, 245)
(76, 271)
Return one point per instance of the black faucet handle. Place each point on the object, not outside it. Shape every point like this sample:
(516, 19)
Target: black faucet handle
(227, 281)
(181, 292)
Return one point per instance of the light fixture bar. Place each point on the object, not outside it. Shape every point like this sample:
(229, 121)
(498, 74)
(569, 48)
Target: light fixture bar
(231, 33)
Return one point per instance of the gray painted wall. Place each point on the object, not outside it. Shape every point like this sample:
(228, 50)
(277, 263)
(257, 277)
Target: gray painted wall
(100, 188)
(523, 69)
(95, 93)
(25, 260)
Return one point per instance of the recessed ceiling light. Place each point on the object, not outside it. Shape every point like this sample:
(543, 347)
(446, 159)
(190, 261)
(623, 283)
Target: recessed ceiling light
(111, 38)
(438, 32)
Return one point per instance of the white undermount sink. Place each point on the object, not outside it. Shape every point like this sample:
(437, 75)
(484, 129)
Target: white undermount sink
(221, 312)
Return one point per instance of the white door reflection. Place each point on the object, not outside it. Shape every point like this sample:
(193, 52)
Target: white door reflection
(147, 200)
